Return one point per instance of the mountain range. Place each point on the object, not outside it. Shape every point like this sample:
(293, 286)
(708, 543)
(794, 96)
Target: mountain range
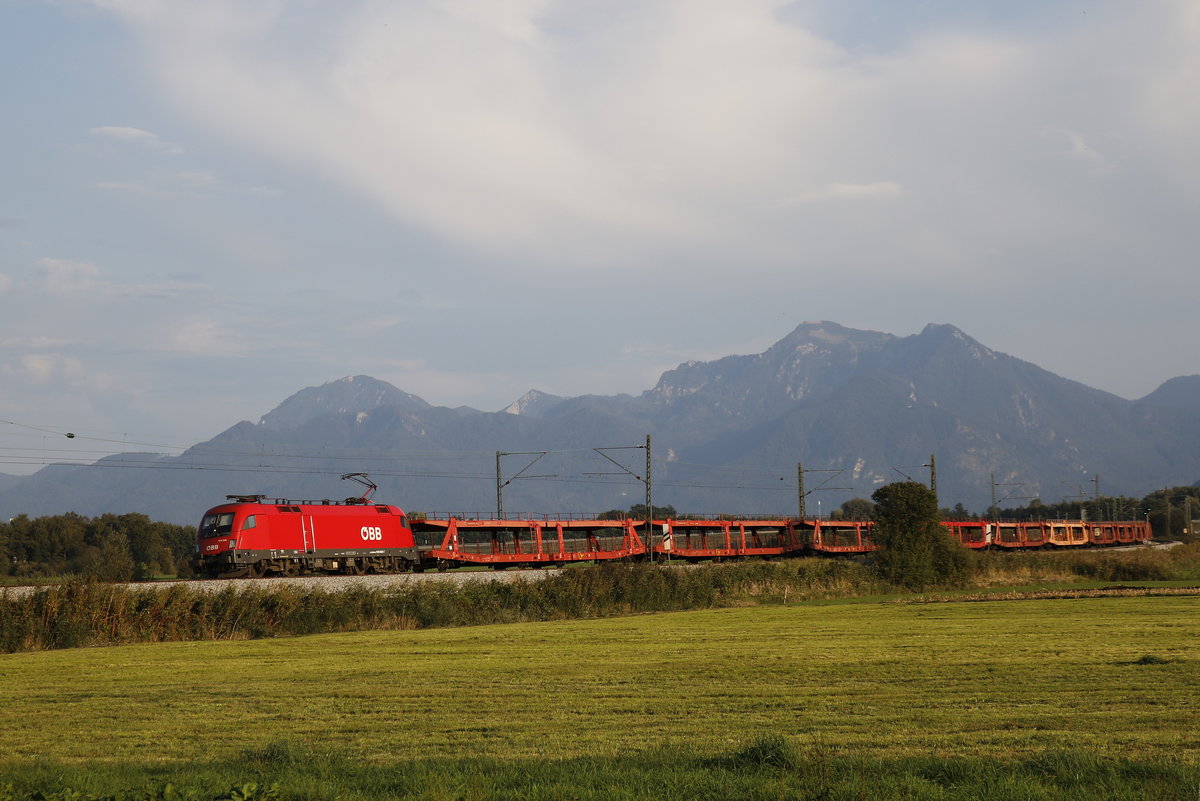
(857, 409)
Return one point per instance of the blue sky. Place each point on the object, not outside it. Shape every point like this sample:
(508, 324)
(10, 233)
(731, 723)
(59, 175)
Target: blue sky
(206, 207)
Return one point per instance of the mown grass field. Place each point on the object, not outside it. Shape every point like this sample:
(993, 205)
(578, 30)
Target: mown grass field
(1080, 698)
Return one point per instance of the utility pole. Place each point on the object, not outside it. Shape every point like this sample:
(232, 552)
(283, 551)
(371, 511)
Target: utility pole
(501, 484)
(800, 488)
(803, 493)
(995, 511)
(649, 494)
(646, 479)
(933, 475)
(1096, 495)
(993, 496)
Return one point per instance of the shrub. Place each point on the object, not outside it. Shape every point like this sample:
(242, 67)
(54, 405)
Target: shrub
(915, 551)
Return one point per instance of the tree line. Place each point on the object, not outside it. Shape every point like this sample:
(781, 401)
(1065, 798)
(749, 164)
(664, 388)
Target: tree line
(110, 547)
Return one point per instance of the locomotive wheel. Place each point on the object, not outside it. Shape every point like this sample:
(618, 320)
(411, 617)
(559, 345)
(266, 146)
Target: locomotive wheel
(354, 568)
(291, 569)
(255, 570)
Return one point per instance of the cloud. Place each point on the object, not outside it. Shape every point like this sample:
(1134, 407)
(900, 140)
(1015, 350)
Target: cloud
(62, 276)
(80, 278)
(136, 136)
(36, 343)
(42, 368)
(845, 191)
(370, 325)
(132, 187)
(1077, 148)
(197, 179)
(203, 337)
(522, 147)
(670, 133)
(163, 184)
(168, 184)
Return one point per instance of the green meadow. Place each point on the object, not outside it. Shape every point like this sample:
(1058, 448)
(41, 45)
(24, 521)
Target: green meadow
(1054, 698)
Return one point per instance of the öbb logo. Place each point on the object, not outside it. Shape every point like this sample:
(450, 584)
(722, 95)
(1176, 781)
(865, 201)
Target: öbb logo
(371, 533)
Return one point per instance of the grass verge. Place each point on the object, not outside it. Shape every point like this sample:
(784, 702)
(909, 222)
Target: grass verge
(756, 771)
(1053, 698)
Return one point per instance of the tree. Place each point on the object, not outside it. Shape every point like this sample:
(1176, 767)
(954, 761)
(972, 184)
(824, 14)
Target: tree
(858, 509)
(638, 512)
(110, 559)
(915, 550)
(959, 512)
(71, 544)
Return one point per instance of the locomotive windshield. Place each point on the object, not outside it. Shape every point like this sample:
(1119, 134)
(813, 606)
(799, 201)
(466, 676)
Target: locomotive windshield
(216, 525)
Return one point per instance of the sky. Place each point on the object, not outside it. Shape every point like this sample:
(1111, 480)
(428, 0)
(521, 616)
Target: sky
(206, 207)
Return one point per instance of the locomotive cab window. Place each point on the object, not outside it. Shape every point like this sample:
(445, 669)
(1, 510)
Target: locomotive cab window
(216, 525)
(249, 522)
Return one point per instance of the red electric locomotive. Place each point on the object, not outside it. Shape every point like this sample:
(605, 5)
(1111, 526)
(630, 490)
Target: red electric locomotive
(254, 536)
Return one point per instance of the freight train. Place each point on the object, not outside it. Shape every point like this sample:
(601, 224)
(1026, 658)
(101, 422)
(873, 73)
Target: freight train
(251, 535)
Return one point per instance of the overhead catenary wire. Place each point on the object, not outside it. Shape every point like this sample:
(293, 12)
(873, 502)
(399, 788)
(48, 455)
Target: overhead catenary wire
(418, 474)
(221, 457)
(269, 468)
(223, 449)
(260, 458)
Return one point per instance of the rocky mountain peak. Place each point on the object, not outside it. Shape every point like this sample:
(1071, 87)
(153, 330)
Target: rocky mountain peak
(943, 342)
(810, 361)
(533, 403)
(358, 394)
